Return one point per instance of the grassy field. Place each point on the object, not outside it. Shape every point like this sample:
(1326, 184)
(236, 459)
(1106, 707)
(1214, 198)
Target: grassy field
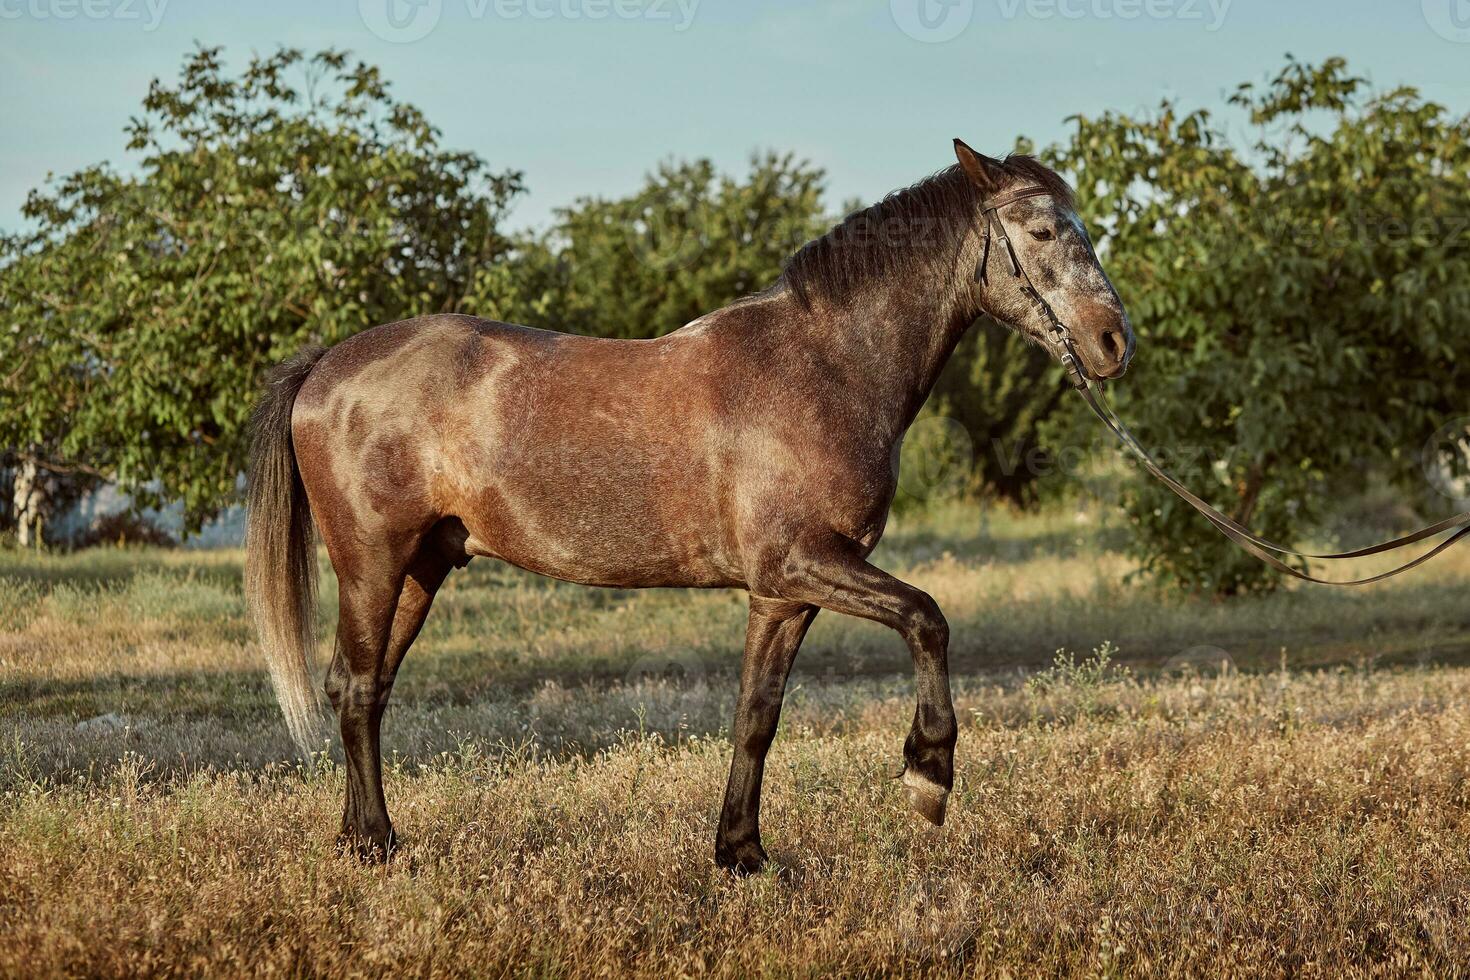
(558, 754)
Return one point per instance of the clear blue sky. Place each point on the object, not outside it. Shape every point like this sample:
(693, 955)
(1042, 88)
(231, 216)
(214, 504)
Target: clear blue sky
(586, 95)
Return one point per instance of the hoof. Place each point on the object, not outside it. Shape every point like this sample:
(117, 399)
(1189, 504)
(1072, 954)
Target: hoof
(370, 849)
(743, 859)
(927, 798)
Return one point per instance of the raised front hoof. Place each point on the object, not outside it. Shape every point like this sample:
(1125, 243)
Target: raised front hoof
(743, 859)
(928, 799)
(367, 848)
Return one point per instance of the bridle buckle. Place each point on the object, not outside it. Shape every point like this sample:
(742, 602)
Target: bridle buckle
(1073, 365)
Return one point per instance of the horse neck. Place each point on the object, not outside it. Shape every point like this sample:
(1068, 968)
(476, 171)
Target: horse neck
(891, 341)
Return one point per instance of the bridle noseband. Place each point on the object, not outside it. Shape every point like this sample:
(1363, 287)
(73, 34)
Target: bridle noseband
(1257, 546)
(995, 228)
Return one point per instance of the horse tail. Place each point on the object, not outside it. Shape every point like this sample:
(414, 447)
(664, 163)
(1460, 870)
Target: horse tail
(280, 551)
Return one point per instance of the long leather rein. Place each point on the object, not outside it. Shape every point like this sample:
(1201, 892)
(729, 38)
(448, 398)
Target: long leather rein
(1265, 550)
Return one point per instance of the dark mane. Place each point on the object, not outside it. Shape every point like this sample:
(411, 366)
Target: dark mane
(915, 231)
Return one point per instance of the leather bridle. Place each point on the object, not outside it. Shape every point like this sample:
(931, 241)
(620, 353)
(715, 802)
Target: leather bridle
(1096, 400)
(995, 228)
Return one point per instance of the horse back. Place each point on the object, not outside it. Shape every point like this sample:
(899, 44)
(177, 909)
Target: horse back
(588, 459)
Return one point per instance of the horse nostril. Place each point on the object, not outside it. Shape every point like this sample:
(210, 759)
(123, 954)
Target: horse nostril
(1115, 345)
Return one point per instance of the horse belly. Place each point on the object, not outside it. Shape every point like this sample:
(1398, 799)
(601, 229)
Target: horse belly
(624, 549)
(600, 521)
(591, 461)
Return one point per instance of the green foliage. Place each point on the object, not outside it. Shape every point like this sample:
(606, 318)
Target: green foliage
(1300, 302)
(1001, 388)
(297, 203)
(1070, 689)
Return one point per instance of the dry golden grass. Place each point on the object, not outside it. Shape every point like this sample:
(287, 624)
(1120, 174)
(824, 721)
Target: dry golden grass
(559, 756)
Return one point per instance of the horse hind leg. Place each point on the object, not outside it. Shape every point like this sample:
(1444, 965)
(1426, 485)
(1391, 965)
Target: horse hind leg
(370, 649)
(366, 605)
(428, 570)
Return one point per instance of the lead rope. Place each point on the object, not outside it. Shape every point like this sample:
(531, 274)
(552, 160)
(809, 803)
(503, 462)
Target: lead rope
(1097, 401)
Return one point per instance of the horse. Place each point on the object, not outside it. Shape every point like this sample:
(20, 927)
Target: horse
(755, 448)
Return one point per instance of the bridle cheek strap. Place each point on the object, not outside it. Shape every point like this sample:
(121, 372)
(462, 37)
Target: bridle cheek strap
(1096, 400)
(995, 228)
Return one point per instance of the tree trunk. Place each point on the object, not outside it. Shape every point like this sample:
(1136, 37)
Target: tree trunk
(29, 501)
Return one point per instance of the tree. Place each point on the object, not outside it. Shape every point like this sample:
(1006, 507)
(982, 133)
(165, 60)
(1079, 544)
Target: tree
(295, 204)
(1002, 389)
(1300, 302)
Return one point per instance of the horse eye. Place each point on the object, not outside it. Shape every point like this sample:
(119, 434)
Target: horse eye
(1044, 235)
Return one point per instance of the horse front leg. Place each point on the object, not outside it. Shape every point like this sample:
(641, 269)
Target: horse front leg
(833, 574)
(772, 637)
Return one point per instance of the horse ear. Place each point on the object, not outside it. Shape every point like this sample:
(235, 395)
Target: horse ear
(986, 172)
